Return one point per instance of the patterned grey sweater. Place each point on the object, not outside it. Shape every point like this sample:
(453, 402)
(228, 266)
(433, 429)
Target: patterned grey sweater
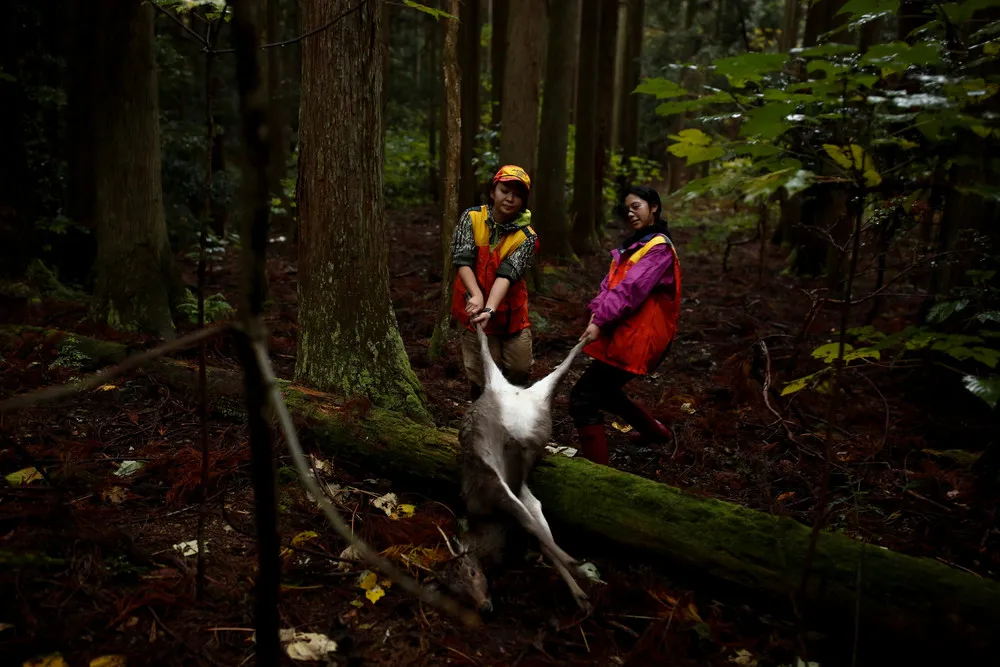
(463, 244)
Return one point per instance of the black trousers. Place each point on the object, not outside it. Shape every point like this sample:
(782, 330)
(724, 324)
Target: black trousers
(600, 388)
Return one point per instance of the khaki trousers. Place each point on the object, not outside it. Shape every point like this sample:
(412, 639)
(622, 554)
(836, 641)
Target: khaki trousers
(512, 353)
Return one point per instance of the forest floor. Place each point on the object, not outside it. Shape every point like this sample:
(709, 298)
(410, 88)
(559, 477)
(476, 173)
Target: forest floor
(89, 557)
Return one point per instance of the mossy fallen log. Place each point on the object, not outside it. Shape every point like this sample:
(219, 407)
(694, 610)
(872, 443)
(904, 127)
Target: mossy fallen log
(762, 552)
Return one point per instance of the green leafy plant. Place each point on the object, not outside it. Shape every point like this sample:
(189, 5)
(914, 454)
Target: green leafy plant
(216, 307)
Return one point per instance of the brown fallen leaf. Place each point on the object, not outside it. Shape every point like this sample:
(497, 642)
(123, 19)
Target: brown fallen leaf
(115, 495)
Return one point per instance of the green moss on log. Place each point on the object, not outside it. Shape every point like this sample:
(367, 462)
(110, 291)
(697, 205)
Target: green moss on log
(760, 551)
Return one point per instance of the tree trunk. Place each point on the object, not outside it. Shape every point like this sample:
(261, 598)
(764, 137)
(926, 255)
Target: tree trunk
(745, 547)
(790, 25)
(452, 149)
(522, 74)
(583, 234)
(278, 125)
(136, 281)
(469, 47)
(498, 56)
(633, 70)
(434, 123)
(607, 43)
(348, 338)
(621, 50)
(551, 221)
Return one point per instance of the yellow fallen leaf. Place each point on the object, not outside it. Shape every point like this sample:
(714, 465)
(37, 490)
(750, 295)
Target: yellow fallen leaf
(23, 477)
(304, 537)
(404, 510)
(692, 613)
(106, 387)
(624, 428)
(357, 603)
(47, 661)
(368, 580)
(375, 594)
(108, 661)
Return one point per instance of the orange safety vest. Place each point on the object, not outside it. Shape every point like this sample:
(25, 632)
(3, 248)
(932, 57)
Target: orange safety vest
(638, 343)
(511, 315)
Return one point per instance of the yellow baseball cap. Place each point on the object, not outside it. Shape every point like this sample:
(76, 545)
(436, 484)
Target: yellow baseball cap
(511, 172)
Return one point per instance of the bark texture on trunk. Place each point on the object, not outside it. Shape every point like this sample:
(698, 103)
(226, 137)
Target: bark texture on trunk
(633, 70)
(136, 281)
(551, 219)
(525, 38)
(453, 137)
(607, 46)
(498, 56)
(741, 546)
(348, 338)
(583, 235)
(468, 38)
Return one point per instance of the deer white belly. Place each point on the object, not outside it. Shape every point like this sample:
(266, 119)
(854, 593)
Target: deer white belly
(520, 412)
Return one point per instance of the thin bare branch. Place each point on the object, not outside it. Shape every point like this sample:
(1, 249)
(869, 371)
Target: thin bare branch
(432, 598)
(96, 380)
(198, 38)
(295, 40)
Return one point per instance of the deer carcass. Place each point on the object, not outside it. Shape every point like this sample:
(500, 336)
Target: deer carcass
(501, 437)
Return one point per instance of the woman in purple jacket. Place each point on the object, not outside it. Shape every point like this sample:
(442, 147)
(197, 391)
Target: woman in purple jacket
(633, 322)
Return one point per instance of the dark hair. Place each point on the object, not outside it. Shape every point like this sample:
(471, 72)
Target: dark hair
(648, 195)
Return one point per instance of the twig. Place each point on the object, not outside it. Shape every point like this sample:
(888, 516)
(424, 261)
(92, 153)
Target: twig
(767, 392)
(433, 598)
(198, 38)
(130, 363)
(295, 40)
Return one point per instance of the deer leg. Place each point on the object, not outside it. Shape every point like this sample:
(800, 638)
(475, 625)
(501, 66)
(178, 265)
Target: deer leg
(533, 506)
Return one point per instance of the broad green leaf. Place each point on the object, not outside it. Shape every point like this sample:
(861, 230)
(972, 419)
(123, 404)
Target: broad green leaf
(988, 316)
(960, 12)
(755, 149)
(942, 311)
(985, 387)
(982, 189)
(683, 106)
(436, 13)
(23, 477)
(861, 8)
(661, 88)
(863, 353)
(829, 352)
(853, 159)
(695, 146)
(796, 385)
(897, 56)
(826, 50)
(769, 121)
(749, 66)
(986, 355)
(831, 69)
(801, 180)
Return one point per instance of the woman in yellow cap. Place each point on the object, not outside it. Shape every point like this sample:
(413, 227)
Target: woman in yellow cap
(492, 248)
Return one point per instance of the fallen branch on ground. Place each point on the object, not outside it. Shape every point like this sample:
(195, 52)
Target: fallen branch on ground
(751, 549)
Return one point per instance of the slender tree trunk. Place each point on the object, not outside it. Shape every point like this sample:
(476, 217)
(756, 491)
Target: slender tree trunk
(348, 339)
(621, 52)
(606, 47)
(522, 75)
(434, 102)
(469, 48)
(584, 236)
(498, 56)
(452, 149)
(790, 25)
(633, 70)
(278, 130)
(254, 114)
(136, 281)
(551, 221)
